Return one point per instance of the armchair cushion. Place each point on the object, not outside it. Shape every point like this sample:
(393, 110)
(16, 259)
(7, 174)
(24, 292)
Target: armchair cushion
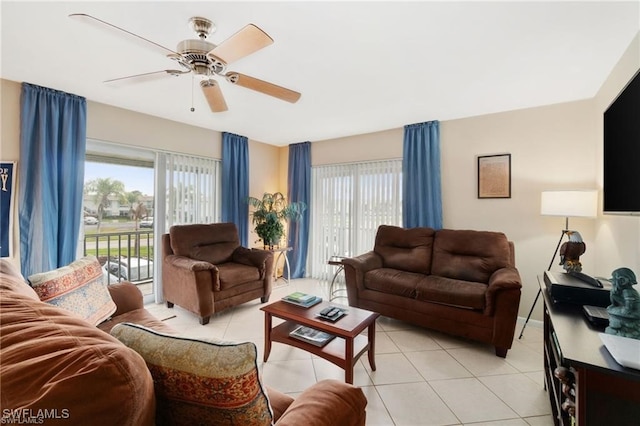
(233, 274)
(79, 288)
(199, 379)
(213, 243)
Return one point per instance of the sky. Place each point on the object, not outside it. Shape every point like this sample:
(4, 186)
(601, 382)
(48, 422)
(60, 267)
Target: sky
(133, 178)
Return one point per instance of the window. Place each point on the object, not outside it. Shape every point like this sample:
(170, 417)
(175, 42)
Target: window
(348, 203)
(173, 188)
(193, 189)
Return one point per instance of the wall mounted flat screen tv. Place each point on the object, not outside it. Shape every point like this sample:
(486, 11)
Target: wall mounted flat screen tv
(621, 192)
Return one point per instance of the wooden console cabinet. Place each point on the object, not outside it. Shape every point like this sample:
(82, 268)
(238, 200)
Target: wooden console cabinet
(605, 392)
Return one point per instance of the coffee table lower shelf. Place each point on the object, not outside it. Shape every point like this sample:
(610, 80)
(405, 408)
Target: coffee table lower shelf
(334, 351)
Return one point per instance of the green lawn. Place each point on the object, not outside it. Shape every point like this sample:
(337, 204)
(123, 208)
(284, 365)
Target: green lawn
(104, 252)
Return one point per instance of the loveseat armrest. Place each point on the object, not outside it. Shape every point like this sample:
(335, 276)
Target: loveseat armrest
(365, 262)
(126, 296)
(327, 403)
(354, 270)
(504, 279)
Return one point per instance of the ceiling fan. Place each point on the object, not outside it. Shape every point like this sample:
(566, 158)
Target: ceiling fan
(203, 58)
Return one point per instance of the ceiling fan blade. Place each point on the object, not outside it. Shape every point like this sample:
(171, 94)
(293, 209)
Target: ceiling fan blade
(212, 92)
(263, 87)
(246, 41)
(85, 17)
(149, 75)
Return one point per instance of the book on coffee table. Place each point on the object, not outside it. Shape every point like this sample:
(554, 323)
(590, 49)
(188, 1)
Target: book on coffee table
(311, 335)
(302, 299)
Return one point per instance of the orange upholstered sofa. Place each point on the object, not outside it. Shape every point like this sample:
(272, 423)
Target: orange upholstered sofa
(57, 368)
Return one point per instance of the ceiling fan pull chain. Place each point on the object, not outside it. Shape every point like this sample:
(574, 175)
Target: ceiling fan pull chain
(192, 83)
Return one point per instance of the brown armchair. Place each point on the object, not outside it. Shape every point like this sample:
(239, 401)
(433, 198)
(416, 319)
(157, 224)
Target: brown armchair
(206, 270)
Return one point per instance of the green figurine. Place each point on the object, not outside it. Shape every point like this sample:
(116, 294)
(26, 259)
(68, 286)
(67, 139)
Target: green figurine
(624, 311)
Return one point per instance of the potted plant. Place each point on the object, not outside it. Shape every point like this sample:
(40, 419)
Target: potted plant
(269, 214)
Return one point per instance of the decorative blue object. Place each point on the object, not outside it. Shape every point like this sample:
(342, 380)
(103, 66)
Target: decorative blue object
(53, 134)
(235, 183)
(299, 182)
(624, 311)
(421, 189)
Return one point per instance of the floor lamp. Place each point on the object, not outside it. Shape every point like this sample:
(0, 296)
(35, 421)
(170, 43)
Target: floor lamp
(566, 204)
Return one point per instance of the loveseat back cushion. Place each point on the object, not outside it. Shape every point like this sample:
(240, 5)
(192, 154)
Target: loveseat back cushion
(406, 249)
(213, 243)
(200, 381)
(469, 255)
(54, 361)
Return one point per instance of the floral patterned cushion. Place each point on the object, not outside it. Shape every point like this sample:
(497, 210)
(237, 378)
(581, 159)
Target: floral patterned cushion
(200, 382)
(78, 287)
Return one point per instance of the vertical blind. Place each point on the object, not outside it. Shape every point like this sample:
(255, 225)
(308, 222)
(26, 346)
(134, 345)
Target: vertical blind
(193, 190)
(348, 203)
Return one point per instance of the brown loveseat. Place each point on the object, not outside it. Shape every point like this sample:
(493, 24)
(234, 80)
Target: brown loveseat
(57, 368)
(206, 270)
(461, 282)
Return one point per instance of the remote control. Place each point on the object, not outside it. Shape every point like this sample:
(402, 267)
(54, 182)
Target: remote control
(325, 311)
(333, 312)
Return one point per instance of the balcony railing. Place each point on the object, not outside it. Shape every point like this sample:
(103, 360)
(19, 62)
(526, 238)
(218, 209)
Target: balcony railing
(125, 256)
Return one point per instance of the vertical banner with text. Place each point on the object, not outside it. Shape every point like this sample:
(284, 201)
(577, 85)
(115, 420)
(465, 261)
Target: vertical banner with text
(7, 190)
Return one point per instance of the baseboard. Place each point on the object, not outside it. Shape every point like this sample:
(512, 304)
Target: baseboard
(531, 323)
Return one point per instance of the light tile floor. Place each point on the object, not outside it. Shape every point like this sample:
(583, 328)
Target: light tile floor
(423, 377)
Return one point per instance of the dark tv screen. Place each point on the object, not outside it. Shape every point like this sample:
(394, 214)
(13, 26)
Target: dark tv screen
(621, 193)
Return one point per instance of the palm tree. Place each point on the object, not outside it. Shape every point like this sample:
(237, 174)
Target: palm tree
(137, 212)
(103, 188)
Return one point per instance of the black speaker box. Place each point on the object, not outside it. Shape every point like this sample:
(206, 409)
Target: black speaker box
(565, 288)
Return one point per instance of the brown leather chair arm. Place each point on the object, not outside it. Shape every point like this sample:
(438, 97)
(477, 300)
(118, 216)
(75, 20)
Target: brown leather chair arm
(181, 266)
(126, 296)
(505, 279)
(182, 262)
(327, 403)
(261, 259)
(251, 257)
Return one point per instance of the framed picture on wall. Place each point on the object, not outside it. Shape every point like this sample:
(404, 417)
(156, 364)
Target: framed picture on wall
(7, 196)
(494, 176)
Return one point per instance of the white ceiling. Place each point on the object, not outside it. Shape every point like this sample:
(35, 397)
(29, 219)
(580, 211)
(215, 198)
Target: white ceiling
(360, 66)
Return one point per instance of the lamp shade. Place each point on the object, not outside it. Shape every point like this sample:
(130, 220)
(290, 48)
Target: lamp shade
(569, 203)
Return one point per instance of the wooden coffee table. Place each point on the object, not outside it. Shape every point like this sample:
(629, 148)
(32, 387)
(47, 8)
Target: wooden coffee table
(343, 351)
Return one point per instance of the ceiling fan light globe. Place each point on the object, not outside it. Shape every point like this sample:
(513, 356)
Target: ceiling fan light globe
(201, 69)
